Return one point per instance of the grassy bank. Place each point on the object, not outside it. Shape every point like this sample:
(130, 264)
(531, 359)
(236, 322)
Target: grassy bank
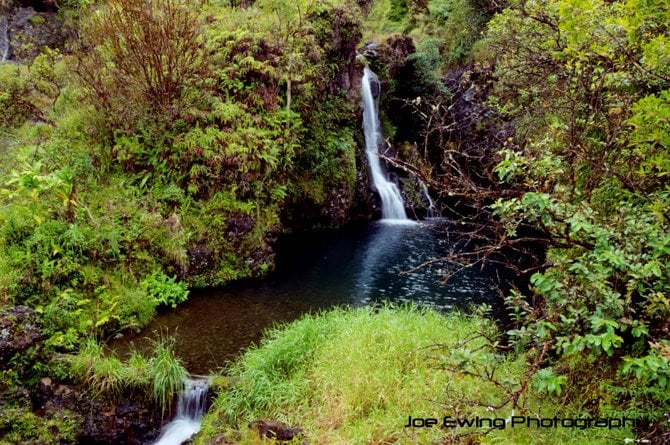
(355, 376)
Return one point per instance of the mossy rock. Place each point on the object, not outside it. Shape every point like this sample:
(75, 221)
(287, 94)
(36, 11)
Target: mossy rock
(20, 329)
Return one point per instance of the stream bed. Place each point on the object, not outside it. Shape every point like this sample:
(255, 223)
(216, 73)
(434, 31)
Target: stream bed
(356, 266)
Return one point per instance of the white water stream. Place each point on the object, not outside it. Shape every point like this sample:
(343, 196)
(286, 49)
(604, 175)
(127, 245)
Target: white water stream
(393, 207)
(4, 38)
(190, 409)
(432, 210)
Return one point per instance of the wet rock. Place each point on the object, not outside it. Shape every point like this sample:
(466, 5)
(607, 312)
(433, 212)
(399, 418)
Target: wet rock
(4, 37)
(261, 260)
(273, 429)
(20, 329)
(17, 398)
(375, 88)
(389, 56)
(366, 201)
(127, 420)
(393, 52)
(477, 129)
(238, 226)
(33, 26)
(200, 258)
(370, 50)
(336, 209)
(40, 5)
(226, 439)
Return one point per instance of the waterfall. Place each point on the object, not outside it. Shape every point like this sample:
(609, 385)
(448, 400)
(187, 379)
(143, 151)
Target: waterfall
(4, 38)
(190, 409)
(432, 210)
(392, 204)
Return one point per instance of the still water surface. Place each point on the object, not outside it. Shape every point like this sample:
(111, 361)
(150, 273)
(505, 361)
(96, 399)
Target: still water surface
(357, 266)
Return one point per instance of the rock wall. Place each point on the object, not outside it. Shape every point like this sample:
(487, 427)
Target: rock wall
(127, 420)
(32, 26)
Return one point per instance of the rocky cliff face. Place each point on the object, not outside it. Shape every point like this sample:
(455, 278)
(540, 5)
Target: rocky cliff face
(331, 196)
(26, 27)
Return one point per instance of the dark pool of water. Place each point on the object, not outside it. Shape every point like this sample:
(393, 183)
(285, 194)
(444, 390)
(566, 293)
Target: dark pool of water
(357, 266)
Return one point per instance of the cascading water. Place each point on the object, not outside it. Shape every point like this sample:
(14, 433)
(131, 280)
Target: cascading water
(393, 207)
(4, 38)
(190, 409)
(432, 210)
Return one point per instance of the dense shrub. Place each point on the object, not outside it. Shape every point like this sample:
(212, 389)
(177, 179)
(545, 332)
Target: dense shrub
(141, 63)
(584, 84)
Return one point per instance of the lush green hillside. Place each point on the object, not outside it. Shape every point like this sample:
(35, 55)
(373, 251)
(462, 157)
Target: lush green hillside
(148, 148)
(162, 146)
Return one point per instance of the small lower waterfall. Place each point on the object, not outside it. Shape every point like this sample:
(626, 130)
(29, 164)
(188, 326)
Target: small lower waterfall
(393, 207)
(190, 409)
(432, 210)
(4, 38)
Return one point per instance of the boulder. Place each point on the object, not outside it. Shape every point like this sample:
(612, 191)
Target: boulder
(20, 329)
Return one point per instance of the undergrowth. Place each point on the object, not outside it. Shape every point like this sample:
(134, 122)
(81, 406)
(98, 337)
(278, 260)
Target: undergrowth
(355, 377)
(160, 376)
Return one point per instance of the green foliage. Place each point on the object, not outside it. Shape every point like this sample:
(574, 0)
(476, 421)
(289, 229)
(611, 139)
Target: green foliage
(20, 425)
(160, 154)
(448, 29)
(398, 10)
(326, 163)
(162, 148)
(653, 369)
(649, 140)
(72, 263)
(457, 25)
(142, 59)
(28, 92)
(13, 95)
(644, 397)
(164, 290)
(389, 16)
(161, 375)
(427, 63)
(582, 81)
(166, 372)
(546, 380)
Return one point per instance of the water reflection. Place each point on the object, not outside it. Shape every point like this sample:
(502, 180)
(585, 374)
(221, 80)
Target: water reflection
(358, 266)
(392, 251)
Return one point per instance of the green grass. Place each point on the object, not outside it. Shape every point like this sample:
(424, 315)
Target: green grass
(160, 376)
(166, 373)
(354, 377)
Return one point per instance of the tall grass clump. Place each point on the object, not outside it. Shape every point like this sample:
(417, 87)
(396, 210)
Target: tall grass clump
(272, 376)
(160, 376)
(102, 374)
(355, 376)
(166, 372)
